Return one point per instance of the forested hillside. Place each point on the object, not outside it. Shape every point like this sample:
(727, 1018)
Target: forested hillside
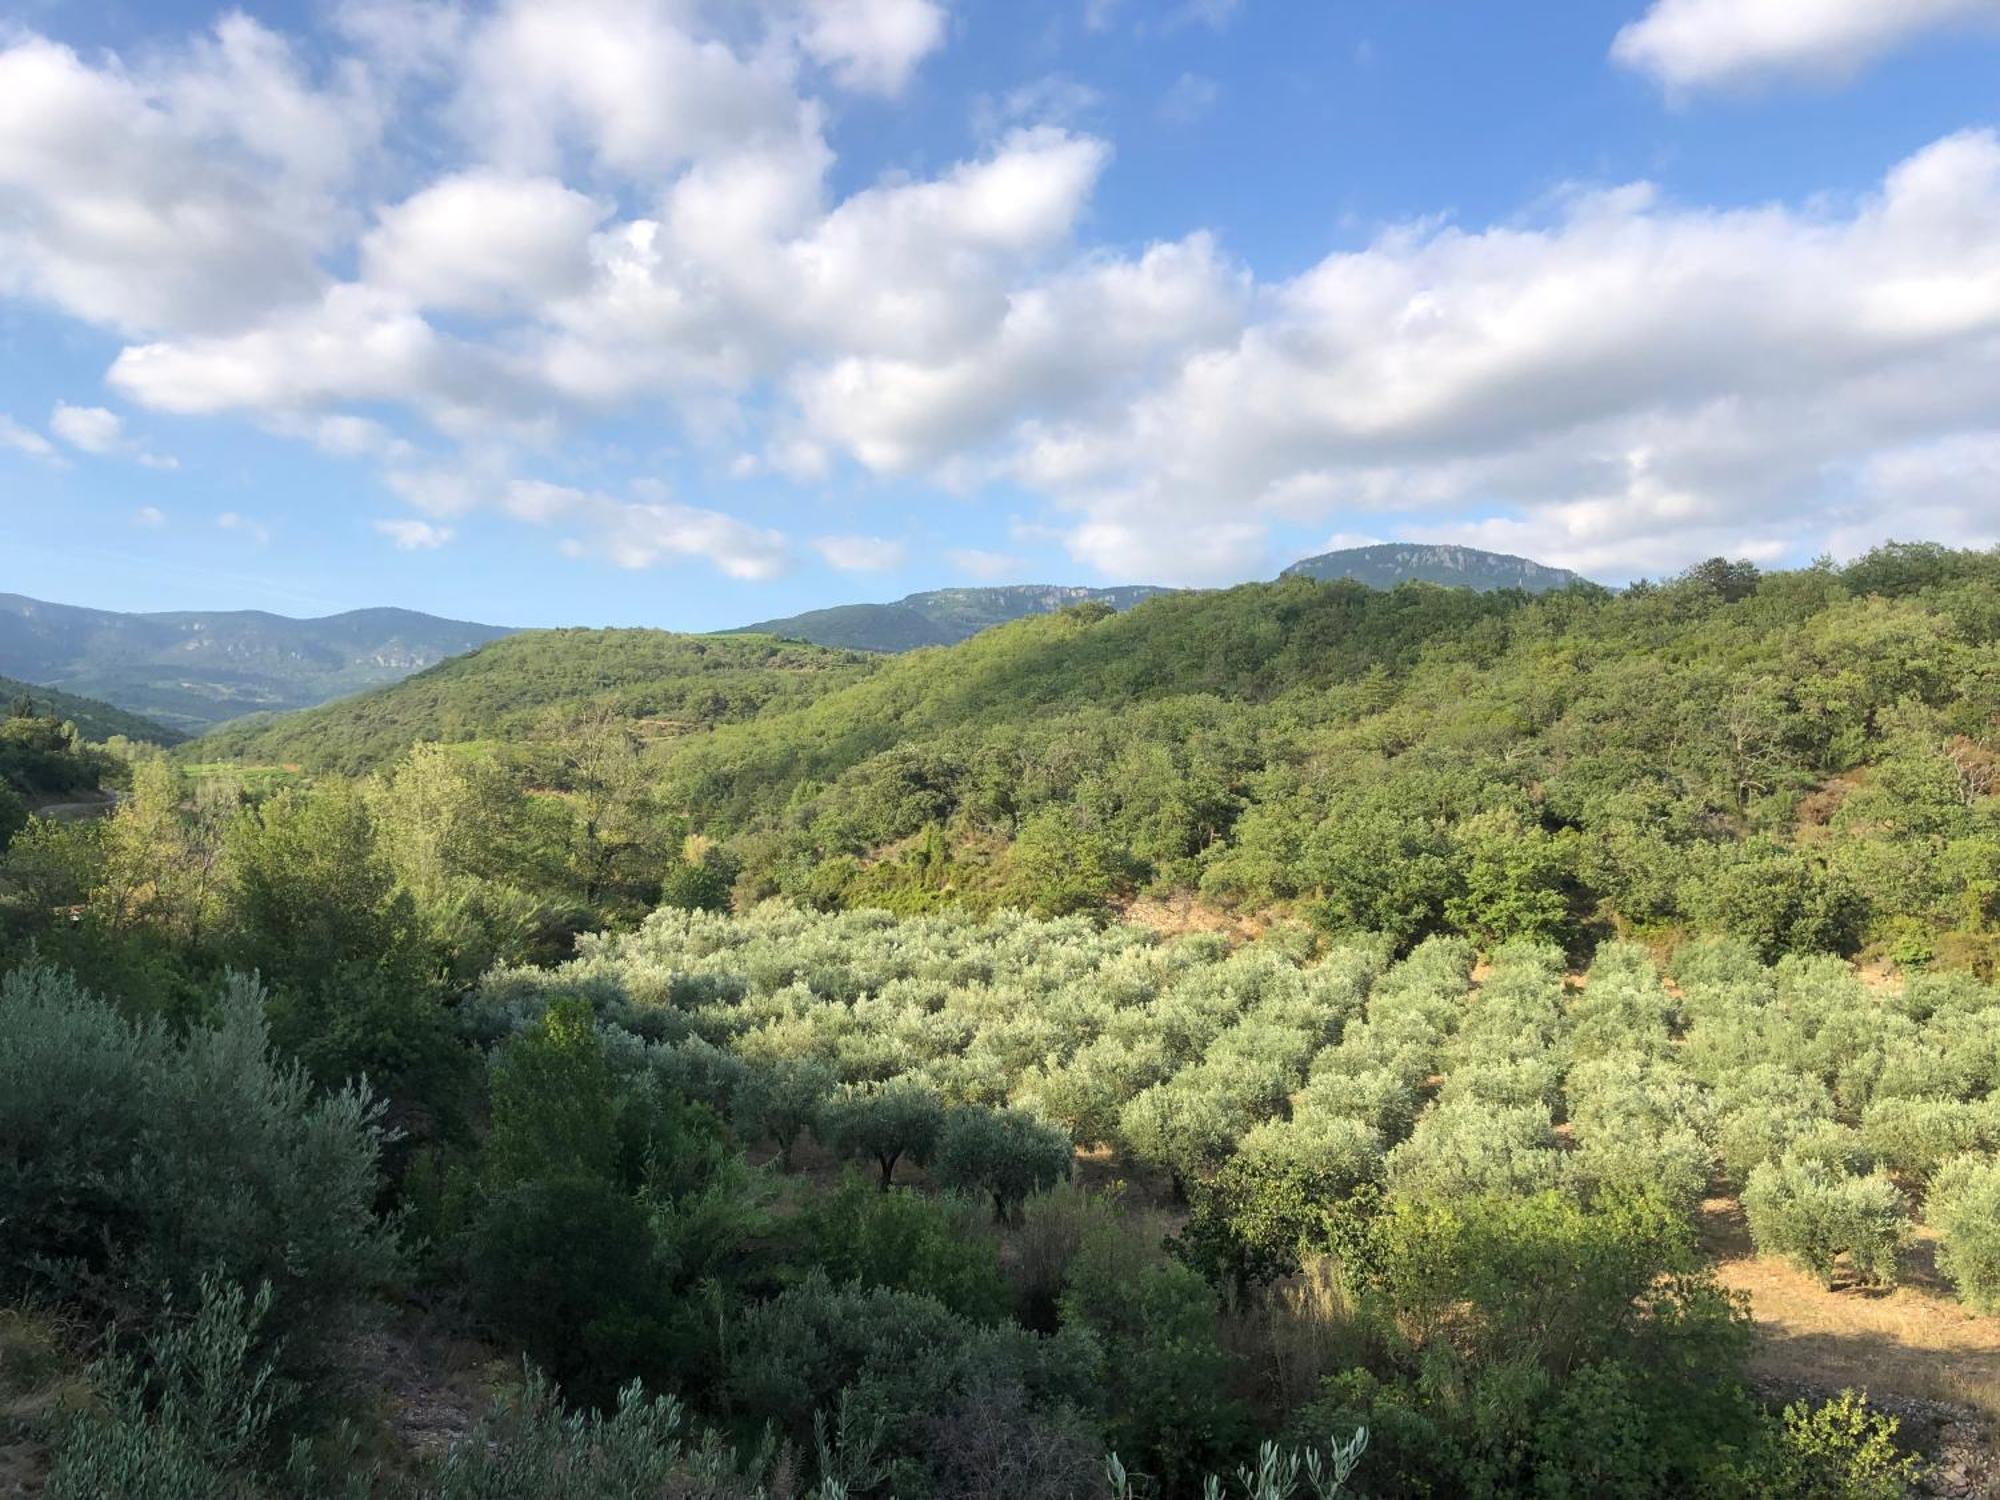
(1805, 759)
(93, 720)
(664, 685)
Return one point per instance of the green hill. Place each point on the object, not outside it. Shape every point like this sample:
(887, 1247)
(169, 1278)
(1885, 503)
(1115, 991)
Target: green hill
(508, 688)
(96, 721)
(1385, 565)
(942, 617)
(1807, 759)
(193, 669)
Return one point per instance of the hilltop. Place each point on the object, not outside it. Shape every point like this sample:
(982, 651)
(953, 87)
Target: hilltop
(1387, 564)
(508, 688)
(940, 617)
(191, 669)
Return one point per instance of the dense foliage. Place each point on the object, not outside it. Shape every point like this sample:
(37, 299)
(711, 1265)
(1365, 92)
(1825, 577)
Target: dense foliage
(1806, 760)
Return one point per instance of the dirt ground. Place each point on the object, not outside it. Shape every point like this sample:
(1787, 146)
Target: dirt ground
(1913, 1341)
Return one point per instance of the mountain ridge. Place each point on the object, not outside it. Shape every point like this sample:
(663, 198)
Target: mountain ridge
(1385, 564)
(939, 617)
(189, 669)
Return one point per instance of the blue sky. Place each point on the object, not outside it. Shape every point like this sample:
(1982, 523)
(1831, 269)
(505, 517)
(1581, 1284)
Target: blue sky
(673, 313)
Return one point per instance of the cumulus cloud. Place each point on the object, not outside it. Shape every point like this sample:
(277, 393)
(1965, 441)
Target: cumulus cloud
(150, 517)
(484, 241)
(633, 534)
(90, 428)
(1630, 385)
(634, 209)
(1690, 44)
(412, 535)
(872, 45)
(862, 554)
(196, 193)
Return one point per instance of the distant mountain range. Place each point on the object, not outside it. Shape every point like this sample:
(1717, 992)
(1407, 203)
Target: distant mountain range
(942, 617)
(1389, 563)
(190, 670)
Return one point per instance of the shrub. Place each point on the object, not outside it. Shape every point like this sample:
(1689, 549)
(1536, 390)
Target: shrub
(1004, 1153)
(553, 1110)
(1914, 1137)
(1839, 1450)
(901, 1360)
(197, 1413)
(1275, 1194)
(1165, 1373)
(909, 1242)
(564, 1269)
(531, 1447)
(1469, 1147)
(1964, 1208)
(136, 1163)
(1813, 1214)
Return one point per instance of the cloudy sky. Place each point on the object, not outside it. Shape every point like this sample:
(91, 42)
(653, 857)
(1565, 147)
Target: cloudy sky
(690, 312)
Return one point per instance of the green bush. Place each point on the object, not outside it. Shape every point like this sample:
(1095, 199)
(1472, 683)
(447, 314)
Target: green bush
(197, 1413)
(1839, 1450)
(909, 1242)
(531, 1447)
(1469, 1147)
(138, 1162)
(895, 1359)
(1166, 1374)
(1964, 1209)
(1813, 1215)
(1914, 1137)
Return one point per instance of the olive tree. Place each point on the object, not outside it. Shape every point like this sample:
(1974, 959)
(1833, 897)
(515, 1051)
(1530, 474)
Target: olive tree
(1005, 1153)
(886, 1123)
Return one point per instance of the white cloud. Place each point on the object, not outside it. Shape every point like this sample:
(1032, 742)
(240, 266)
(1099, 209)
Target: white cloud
(1054, 99)
(636, 210)
(96, 430)
(1631, 385)
(150, 517)
(862, 554)
(26, 440)
(872, 45)
(1690, 44)
(195, 193)
(633, 535)
(630, 81)
(415, 536)
(89, 428)
(484, 242)
(983, 564)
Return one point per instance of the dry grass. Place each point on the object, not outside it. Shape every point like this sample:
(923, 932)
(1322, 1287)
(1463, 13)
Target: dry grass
(1914, 1341)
